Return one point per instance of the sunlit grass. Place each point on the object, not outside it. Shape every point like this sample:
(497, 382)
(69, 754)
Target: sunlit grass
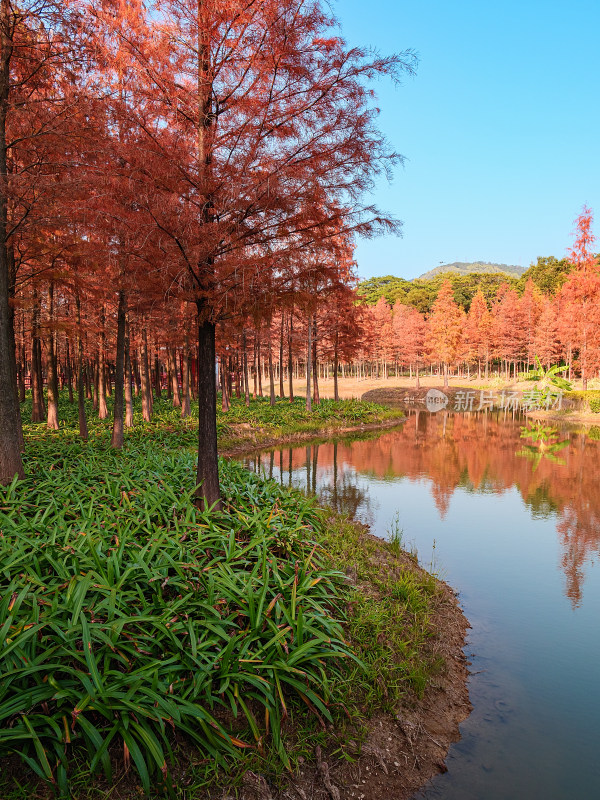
(134, 626)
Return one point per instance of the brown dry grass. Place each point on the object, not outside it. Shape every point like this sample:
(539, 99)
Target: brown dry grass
(352, 388)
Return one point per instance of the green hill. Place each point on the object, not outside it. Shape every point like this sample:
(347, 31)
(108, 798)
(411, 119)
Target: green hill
(481, 267)
(548, 274)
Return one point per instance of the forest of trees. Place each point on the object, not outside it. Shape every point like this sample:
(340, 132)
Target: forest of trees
(473, 322)
(181, 182)
(182, 185)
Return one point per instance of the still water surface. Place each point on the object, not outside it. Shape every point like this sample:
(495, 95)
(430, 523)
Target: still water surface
(513, 524)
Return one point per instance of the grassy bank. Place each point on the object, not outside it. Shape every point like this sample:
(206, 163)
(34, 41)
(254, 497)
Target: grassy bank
(146, 643)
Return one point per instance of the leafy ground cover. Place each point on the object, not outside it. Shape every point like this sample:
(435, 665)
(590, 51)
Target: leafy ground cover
(238, 426)
(142, 637)
(262, 422)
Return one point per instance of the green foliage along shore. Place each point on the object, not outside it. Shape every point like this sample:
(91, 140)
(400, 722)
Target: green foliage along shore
(133, 624)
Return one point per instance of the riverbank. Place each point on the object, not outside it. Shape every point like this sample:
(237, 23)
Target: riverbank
(575, 408)
(350, 387)
(397, 738)
(246, 441)
(367, 731)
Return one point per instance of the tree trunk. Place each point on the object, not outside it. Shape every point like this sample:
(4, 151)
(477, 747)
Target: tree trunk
(185, 378)
(145, 379)
(68, 369)
(102, 409)
(258, 369)
(157, 369)
(336, 394)
(118, 412)
(38, 409)
(51, 370)
(83, 428)
(315, 366)
(225, 384)
(308, 364)
(290, 356)
(207, 476)
(281, 382)
(245, 368)
(271, 373)
(128, 391)
(254, 371)
(172, 360)
(11, 463)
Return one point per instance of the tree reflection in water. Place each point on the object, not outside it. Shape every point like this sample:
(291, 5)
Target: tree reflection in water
(556, 474)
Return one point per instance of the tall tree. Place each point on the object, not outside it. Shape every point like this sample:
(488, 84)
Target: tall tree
(285, 143)
(32, 49)
(410, 328)
(478, 330)
(445, 328)
(581, 296)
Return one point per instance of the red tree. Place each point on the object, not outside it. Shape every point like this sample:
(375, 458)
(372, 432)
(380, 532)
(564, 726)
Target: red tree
(581, 299)
(445, 328)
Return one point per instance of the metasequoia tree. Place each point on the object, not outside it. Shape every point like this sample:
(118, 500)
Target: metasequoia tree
(445, 328)
(509, 328)
(478, 330)
(384, 333)
(260, 141)
(531, 307)
(34, 107)
(581, 298)
(410, 328)
(546, 343)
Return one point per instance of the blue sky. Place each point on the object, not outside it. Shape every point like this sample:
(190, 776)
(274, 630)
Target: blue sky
(500, 128)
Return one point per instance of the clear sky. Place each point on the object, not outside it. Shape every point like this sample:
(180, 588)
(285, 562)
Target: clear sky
(500, 128)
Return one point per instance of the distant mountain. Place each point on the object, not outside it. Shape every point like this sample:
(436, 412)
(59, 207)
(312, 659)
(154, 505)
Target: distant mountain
(463, 268)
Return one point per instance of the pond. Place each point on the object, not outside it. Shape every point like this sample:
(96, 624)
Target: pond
(512, 522)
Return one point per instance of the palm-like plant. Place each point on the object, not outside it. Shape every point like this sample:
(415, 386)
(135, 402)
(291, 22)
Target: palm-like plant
(548, 377)
(544, 444)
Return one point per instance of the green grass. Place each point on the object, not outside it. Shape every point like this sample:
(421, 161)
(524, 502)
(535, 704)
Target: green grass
(263, 422)
(390, 624)
(240, 425)
(138, 630)
(589, 398)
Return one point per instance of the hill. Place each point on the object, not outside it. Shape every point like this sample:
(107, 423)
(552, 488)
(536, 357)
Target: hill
(481, 267)
(548, 274)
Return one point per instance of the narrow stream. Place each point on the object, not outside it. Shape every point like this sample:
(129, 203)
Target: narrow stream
(512, 522)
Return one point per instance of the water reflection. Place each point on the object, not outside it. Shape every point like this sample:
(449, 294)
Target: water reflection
(322, 470)
(545, 443)
(555, 473)
(514, 511)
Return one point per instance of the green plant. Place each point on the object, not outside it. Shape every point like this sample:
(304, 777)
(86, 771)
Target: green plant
(127, 614)
(545, 444)
(395, 535)
(547, 377)
(595, 404)
(132, 625)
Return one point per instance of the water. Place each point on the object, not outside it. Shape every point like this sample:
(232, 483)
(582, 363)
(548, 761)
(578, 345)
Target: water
(513, 525)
